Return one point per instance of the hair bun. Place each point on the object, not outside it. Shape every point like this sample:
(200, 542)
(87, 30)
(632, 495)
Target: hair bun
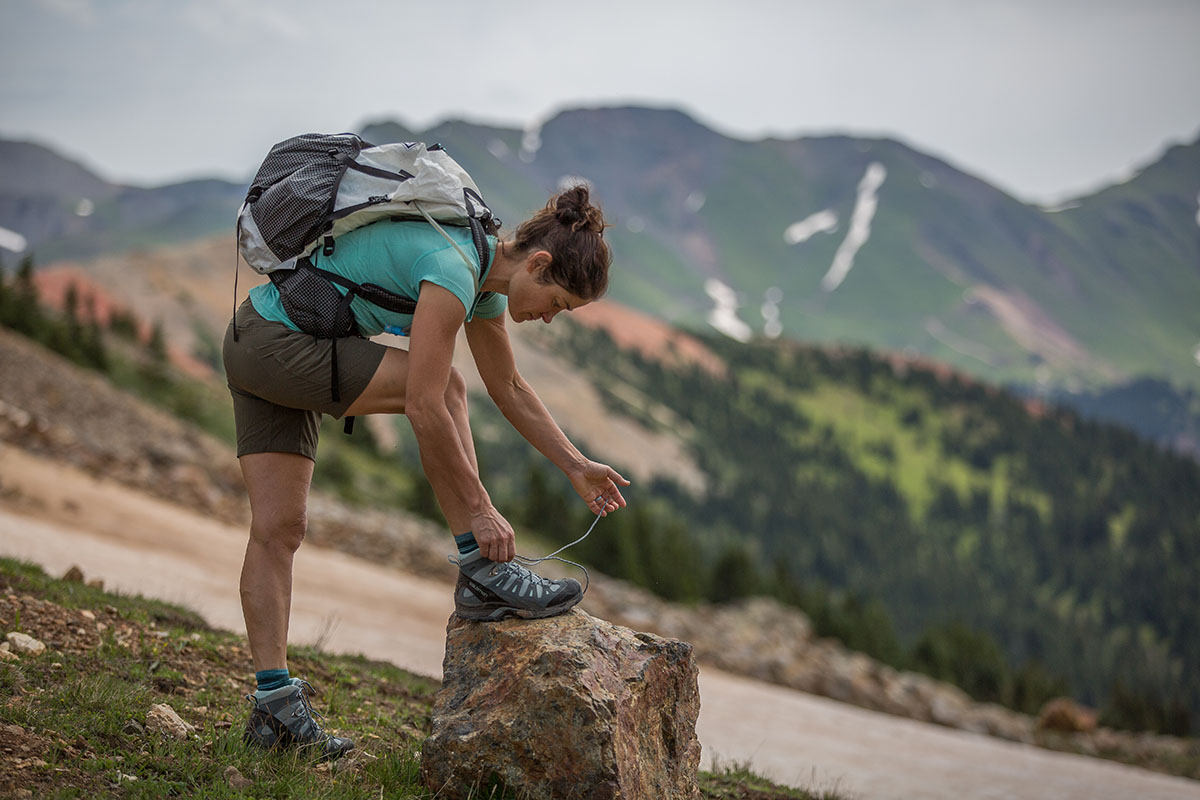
(573, 208)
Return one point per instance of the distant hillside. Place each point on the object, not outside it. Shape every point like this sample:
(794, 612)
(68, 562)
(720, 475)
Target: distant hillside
(63, 210)
(864, 241)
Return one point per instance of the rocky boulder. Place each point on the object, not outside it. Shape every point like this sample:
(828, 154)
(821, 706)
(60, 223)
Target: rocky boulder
(1065, 715)
(567, 707)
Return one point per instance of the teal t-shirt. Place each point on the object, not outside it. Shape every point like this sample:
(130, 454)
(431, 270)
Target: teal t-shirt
(398, 256)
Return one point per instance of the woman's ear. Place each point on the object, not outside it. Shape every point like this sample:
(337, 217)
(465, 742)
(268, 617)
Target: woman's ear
(538, 261)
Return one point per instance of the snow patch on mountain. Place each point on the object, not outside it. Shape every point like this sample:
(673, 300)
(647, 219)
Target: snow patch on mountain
(11, 240)
(531, 141)
(724, 316)
(821, 222)
(860, 226)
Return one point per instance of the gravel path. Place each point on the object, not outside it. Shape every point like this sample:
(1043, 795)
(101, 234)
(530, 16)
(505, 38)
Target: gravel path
(57, 516)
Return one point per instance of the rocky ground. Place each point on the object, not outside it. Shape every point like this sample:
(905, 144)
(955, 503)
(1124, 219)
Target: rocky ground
(56, 410)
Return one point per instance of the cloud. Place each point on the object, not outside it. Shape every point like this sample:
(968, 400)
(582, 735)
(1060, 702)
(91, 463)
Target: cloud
(81, 12)
(234, 21)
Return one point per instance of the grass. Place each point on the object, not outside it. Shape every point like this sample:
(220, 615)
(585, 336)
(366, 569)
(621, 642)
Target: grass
(80, 708)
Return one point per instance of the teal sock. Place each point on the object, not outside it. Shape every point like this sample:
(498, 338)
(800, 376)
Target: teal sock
(269, 679)
(466, 543)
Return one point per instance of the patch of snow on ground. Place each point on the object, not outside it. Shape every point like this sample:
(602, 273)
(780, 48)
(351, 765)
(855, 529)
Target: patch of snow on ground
(860, 226)
(724, 316)
(11, 240)
(85, 208)
(695, 201)
(820, 222)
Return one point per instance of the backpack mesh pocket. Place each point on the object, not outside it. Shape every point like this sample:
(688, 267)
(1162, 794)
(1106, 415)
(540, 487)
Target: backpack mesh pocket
(291, 213)
(311, 302)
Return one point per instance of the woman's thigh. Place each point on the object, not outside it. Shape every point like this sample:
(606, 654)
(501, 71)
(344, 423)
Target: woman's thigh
(295, 370)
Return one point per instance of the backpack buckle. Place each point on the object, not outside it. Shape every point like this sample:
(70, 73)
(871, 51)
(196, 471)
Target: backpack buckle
(327, 250)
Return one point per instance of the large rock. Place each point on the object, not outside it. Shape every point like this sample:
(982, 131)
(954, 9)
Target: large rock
(567, 707)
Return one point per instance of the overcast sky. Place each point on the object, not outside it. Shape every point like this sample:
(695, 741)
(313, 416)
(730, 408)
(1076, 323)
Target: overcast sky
(1044, 98)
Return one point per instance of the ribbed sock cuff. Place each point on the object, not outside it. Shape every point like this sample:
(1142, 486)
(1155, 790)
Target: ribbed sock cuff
(269, 679)
(466, 543)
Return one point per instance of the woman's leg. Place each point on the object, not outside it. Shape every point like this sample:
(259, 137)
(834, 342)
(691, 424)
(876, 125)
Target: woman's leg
(278, 487)
(385, 395)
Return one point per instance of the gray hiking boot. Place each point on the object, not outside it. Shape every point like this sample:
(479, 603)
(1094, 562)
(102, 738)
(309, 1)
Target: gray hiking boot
(491, 590)
(284, 717)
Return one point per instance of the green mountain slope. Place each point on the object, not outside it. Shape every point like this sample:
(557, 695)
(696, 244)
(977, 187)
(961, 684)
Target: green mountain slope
(947, 265)
(863, 241)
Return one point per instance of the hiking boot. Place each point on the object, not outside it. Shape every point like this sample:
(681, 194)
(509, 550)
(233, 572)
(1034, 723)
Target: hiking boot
(493, 590)
(284, 717)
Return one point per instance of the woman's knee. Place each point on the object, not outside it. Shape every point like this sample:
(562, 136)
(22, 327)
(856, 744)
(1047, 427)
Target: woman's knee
(280, 531)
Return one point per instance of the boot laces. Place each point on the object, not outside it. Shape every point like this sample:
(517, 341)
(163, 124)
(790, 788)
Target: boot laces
(522, 563)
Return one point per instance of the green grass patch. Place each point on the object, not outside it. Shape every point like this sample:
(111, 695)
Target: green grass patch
(73, 720)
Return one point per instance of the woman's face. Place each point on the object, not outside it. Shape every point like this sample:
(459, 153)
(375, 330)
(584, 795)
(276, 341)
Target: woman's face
(530, 300)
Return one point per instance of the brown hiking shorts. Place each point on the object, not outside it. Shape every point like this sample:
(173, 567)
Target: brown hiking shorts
(281, 381)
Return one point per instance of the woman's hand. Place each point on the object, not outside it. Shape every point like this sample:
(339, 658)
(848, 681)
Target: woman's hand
(493, 534)
(597, 484)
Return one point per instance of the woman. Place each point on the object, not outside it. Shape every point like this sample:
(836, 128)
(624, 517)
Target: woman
(279, 377)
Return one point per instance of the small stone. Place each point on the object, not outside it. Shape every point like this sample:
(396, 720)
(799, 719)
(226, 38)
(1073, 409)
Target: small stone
(133, 728)
(74, 575)
(96, 583)
(8, 655)
(236, 780)
(87, 614)
(26, 644)
(15, 730)
(162, 718)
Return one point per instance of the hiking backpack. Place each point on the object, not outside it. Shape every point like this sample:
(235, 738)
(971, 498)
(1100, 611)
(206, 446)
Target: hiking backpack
(314, 187)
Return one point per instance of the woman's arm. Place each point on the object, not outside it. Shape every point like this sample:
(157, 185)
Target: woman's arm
(596, 483)
(455, 481)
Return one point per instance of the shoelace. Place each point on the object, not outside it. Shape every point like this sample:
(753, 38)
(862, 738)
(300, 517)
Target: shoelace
(526, 562)
(308, 710)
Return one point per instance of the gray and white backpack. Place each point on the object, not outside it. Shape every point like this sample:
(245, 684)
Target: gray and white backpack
(314, 187)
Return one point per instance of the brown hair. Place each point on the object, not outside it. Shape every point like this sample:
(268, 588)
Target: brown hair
(571, 230)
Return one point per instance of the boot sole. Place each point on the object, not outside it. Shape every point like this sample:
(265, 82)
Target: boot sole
(509, 612)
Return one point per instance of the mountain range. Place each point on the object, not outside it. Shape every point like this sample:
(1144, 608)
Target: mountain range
(830, 239)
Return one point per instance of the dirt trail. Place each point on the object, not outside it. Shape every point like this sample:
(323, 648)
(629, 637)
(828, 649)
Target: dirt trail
(56, 516)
